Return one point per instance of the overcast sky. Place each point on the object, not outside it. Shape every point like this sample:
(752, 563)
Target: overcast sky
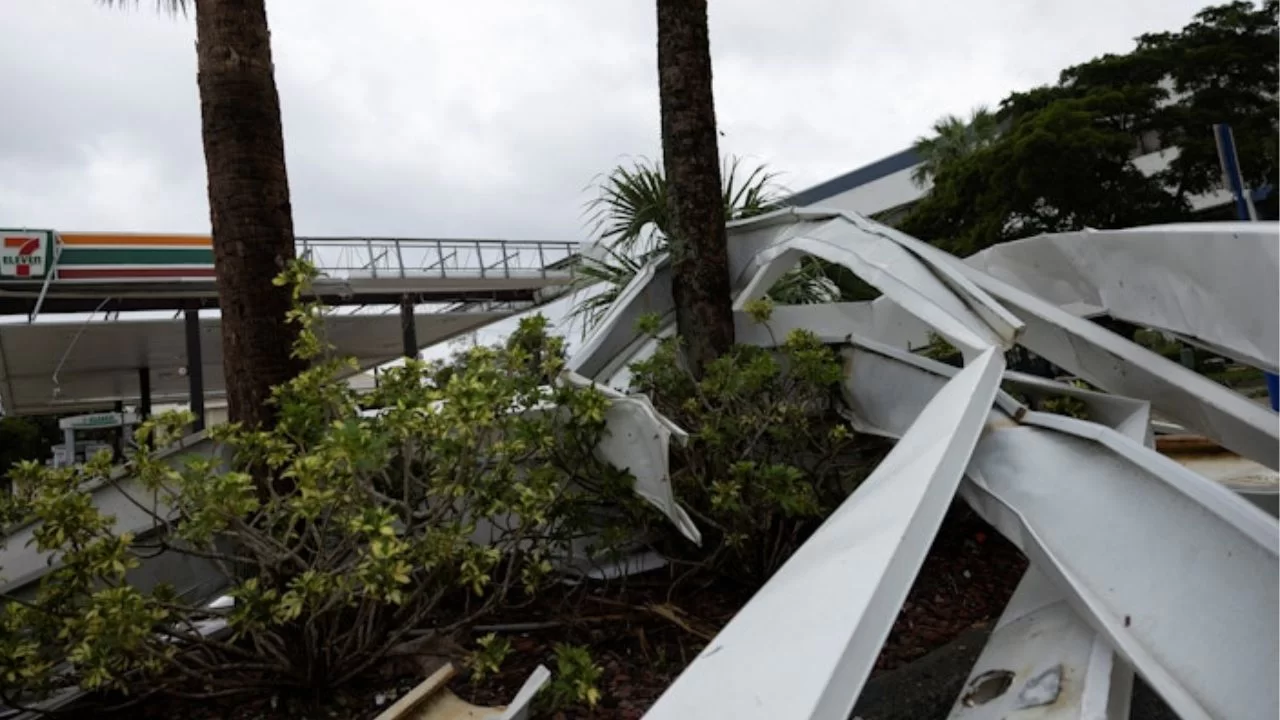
(489, 119)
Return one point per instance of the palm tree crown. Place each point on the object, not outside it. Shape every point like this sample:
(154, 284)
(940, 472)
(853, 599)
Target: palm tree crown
(631, 223)
(954, 138)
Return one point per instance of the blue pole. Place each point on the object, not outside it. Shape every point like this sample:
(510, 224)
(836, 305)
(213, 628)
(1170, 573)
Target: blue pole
(1231, 169)
(1235, 182)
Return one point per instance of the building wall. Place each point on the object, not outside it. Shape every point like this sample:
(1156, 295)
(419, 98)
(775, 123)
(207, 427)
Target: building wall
(879, 195)
(880, 192)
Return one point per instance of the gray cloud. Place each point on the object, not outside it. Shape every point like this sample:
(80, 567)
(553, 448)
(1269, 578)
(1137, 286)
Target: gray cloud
(489, 119)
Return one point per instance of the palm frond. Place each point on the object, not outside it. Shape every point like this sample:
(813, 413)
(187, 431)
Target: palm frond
(629, 218)
(629, 211)
(169, 7)
(614, 272)
(954, 139)
(805, 284)
(755, 194)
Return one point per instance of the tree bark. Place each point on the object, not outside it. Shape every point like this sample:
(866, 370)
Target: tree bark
(691, 161)
(248, 201)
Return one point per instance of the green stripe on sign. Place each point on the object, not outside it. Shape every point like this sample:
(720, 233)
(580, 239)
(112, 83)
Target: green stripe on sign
(115, 256)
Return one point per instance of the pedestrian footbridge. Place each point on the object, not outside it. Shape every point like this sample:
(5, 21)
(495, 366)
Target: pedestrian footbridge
(53, 361)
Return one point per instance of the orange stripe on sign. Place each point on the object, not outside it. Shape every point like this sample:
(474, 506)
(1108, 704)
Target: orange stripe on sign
(135, 239)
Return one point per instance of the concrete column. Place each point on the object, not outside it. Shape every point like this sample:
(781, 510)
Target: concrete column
(195, 368)
(69, 440)
(144, 393)
(117, 444)
(408, 327)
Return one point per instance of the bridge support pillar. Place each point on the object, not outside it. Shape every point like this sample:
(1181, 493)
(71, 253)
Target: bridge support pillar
(195, 368)
(408, 327)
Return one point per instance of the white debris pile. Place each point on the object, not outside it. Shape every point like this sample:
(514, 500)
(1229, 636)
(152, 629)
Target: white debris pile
(1137, 562)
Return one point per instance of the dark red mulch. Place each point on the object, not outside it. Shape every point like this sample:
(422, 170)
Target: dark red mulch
(966, 580)
(640, 651)
(361, 701)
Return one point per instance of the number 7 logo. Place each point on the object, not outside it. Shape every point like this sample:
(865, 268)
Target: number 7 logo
(28, 248)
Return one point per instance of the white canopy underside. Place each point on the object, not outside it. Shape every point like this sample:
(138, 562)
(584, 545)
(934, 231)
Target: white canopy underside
(64, 367)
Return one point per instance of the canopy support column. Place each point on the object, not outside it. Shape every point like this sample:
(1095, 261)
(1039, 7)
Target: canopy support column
(117, 440)
(144, 393)
(195, 368)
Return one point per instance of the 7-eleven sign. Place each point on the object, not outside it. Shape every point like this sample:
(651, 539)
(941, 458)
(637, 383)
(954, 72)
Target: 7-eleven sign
(24, 254)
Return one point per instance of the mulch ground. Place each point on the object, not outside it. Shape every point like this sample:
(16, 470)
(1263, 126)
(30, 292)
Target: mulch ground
(965, 582)
(642, 639)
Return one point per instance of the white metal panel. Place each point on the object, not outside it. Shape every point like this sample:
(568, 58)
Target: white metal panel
(1129, 417)
(748, 238)
(1177, 572)
(923, 284)
(831, 323)
(648, 292)
(638, 440)
(617, 374)
(1119, 366)
(762, 249)
(1125, 368)
(880, 194)
(1042, 662)
(890, 269)
(1159, 277)
(804, 645)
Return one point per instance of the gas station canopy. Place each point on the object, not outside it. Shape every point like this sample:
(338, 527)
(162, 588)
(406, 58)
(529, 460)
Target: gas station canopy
(60, 367)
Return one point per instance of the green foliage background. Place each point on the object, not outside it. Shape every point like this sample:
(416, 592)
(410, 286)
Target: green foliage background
(1061, 159)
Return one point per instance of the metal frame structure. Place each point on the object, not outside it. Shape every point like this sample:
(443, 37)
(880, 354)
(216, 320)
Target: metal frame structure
(1138, 563)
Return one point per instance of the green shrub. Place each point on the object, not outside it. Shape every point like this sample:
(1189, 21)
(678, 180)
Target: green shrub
(941, 350)
(1066, 404)
(338, 532)
(491, 651)
(767, 458)
(575, 681)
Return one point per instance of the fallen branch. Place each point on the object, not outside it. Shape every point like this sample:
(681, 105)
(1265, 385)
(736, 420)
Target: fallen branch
(666, 611)
(543, 625)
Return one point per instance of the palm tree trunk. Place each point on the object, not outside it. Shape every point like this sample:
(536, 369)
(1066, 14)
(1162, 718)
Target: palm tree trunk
(691, 160)
(248, 201)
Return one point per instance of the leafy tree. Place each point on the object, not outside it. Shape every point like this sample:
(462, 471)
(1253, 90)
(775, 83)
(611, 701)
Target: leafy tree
(418, 517)
(1062, 167)
(1223, 67)
(1065, 160)
(691, 159)
(954, 139)
(410, 520)
(249, 206)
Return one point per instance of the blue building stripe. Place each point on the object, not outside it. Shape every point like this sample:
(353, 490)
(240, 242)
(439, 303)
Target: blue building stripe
(863, 175)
